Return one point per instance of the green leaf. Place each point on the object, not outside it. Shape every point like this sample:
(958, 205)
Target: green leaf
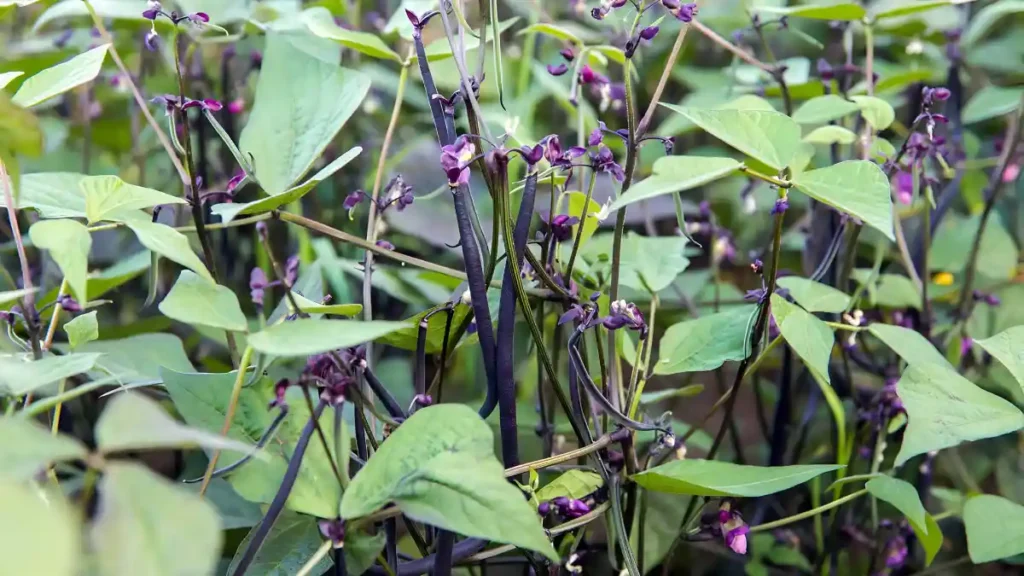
(676, 174)
(715, 478)
(828, 135)
(110, 9)
(69, 243)
(824, 109)
(301, 104)
(406, 337)
(15, 295)
(7, 77)
(1008, 348)
(556, 32)
(170, 244)
(19, 377)
(857, 187)
(82, 329)
(651, 263)
(292, 541)
(944, 409)
(930, 541)
(687, 391)
(846, 11)
(439, 468)
(995, 528)
(705, 343)
(814, 296)
(61, 78)
(662, 526)
(195, 300)
(316, 309)
(26, 448)
(808, 336)
(202, 400)
(877, 112)
(915, 7)
(951, 248)
(769, 137)
(230, 211)
(147, 525)
(573, 484)
(140, 357)
(133, 422)
(106, 196)
(988, 17)
(908, 344)
(362, 550)
(901, 495)
(52, 194)
(321, 23)
(307, 336)
(992, 102)
(41, 536)
(882, 148)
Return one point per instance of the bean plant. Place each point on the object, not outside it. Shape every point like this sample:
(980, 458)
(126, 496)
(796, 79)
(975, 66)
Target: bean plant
(409, 287)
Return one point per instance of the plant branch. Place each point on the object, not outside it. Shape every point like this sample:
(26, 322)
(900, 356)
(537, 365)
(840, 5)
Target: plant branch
(28, 302)
(808, 514)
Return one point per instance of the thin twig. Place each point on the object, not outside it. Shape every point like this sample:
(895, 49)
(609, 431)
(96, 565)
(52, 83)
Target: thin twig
(29, 301)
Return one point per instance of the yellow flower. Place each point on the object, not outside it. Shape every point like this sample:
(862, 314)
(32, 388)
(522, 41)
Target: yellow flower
(943, 279)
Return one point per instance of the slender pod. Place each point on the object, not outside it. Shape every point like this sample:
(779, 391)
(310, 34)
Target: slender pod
(436, 107)
(259, 446)
(283, 491)
(460, 551)
(443, 556)
(390, 404)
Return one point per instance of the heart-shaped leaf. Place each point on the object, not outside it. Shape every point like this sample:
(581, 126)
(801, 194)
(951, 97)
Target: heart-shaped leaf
(105, 196)
(308, 336)
(808, 336)
(944, 409)
(1008, 348)
(814, 296)
(61, 78)
(857, 187)
(169, 243)
(18, 376)
(908, 344)
(705, 343)
(195, 300)
(824, 109)
(995, 528)
(676, 174)
(69, 243)
(26, 448)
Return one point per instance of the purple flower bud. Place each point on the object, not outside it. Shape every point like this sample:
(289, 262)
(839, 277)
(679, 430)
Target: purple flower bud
(598, 13)
(455, 159)
(992, 300)
(577, 508)
(413, 19)
(333, 530)
(649, 33)
(279, 391)
(151, 38)
(686, 12)
(557, 69)
(568, 54)
(261, 229)
(69, 304)
(423, 400)
(532, 155)
(353, 199)
(291, 270)
(825, 70)
(199, 18)
(561, 502)
(587, 74)
(941, 94)
(596, 137)
(604, 161)
(544, 508)
(670, 4)
(780, 207)
(236, 106)
(257, 283)
(385, 245)
(151, 13)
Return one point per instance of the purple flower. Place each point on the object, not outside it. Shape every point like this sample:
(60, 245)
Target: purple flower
(612, 95)
(455, 159)
(966, 344)
(532, 155)
(69, 304)
(904, 185)
(291, 270)
(544, 508)
(353, 199)
(560, 226)
(649, 33)
(422, 400)
(279, 391)
(896, 552)
(604, 161)
(557, 69)
(932, 95)
(236, 106)
(685, 12)
(734, 529)
(595, 138)
(598, 13)
(385, 245)
(333, 530)
(670, 4)
(568, 54)
(825, 71)
(556, 157)
(576, 509)
(198, 18)
(153, 9)
(780, 206)
(625, 315)
(257, 284)
(587, 75)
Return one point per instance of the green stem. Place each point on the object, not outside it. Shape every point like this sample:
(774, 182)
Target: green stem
(808, 514)
(229, 416)
(319, 555)
(584, 214)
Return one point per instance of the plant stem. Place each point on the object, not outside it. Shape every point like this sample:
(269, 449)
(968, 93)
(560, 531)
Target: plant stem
(55, 317)
(319, 555)
(808, 514)
(28, 302)
(598, 444)
(371, 219)
(582, 224)
(739, 52)
(229, 414)
(666, 73)
(991, 194)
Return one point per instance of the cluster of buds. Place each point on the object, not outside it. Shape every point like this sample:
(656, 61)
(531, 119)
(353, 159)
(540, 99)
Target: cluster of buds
(884, 405)
(622, 314)
(564, 507)
(334, 372)
(987, 298)
(929, 98)
(155, 10)
(398, 193)
(171, 103)
(568, 54)
(560, 226)
(258, 282)
(684, 12)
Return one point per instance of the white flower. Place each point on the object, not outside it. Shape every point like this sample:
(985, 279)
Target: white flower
(915, 47)
(604, 212)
